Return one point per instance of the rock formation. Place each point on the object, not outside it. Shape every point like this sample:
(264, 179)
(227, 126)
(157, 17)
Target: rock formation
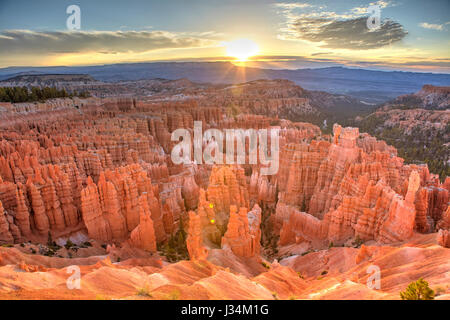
(194, 241)
(66, 170)
(143, 236)
(243, 234)
(351, 193)
(444, 238)
(98, 172)
(5, 234)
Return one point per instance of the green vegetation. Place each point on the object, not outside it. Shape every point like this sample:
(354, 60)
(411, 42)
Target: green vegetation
(86, 244)
(421, 145)
(418, 290)
(175, 249)
(265, 265)
(269, 239)
(23, 94)
(69, 244)
(337, 112)
(52, 247)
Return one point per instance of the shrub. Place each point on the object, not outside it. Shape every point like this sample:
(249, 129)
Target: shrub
(306, 252)
(418, 290)
(69, 244)
(176, 249)
(87, 244)
(143, 292)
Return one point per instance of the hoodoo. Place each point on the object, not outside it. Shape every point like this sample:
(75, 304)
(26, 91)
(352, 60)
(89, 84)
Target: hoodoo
(98, 189)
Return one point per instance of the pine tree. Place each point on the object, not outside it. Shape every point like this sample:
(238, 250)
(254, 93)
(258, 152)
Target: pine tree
(418, 290)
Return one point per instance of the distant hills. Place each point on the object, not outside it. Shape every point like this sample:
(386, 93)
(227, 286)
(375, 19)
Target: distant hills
(367, 85)
(430, 98)
(417, 124)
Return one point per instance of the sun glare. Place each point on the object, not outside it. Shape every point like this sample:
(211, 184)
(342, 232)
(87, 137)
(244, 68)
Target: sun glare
(241, 49)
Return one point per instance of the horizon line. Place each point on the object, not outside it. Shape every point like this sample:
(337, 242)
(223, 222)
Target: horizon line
(230, 61)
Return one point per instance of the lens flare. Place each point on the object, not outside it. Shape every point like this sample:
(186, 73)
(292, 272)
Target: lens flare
(241, 49)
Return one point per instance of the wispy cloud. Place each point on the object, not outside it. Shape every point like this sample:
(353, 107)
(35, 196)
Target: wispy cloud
(293, 5)
(48, 42)
(381, 4)
(432, 26)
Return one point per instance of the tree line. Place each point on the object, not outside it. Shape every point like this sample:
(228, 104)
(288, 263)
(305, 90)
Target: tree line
(23, 94)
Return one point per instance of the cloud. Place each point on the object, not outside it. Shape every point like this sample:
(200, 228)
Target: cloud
(432, 26)
(363, 10)
(320, 53)
(348, 34)
(47, 42)
(343, 30)
(293, 5)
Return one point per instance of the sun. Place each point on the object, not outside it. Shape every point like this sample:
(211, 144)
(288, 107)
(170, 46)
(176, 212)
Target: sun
(242, 49)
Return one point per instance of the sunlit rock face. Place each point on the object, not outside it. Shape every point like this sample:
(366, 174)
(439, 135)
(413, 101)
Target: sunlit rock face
(100, 170)
(64, 170)
(243, 233)
(194, 241)
(356, 191)
(143, 236)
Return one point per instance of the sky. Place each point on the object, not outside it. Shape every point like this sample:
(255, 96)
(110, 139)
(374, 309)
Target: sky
(412, 35)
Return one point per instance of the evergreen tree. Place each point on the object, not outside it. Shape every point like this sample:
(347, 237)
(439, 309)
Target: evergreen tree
(418, 290)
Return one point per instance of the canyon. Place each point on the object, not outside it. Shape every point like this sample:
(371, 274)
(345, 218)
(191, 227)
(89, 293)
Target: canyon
(91, 183)
(417, 124)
